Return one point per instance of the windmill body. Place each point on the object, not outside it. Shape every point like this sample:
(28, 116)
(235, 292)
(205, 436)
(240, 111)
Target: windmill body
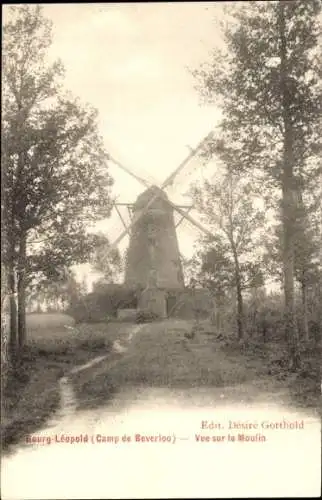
(153, 252)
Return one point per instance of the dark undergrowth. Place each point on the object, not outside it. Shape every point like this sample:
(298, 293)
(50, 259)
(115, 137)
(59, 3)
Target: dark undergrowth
(304, 384)
(32, 395)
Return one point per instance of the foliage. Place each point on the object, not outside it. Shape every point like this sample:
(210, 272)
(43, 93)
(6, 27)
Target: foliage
(229, 259)
(268, 84)
(308, 239)
(59, 293)
(55, 177)
(230, 207)
(307, 247)
(55, 168)
(106, 260)
(103, 303)
(146, 316)
(216, 271)
(244, 80)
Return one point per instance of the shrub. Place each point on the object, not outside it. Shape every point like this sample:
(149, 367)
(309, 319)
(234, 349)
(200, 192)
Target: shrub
(146, 317)
(95, 344)
(189, 304)
(102, 304)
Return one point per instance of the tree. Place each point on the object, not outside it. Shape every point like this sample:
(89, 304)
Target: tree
(228, 206)
(5, 326)
(213, 270)
(106, 260)
(56, 182)
(268, 83)
(57, 294)
(307, 246)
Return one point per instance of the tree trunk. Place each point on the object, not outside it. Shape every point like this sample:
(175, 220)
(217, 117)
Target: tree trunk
(305, 312)
(219, 309)
(291, 330)
(240, 305)
(240, 309)
(213, 315)
(22, 293)
(5, 336)
(13, 311)
(217, 313)
(288, 202)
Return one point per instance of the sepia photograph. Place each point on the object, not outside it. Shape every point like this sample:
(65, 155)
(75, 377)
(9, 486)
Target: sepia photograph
(161, 250)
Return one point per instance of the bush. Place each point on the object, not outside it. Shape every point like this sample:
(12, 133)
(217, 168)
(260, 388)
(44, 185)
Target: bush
(189, 304)
(95, 344)
(102, 304)
(146, 317)
(315, 331)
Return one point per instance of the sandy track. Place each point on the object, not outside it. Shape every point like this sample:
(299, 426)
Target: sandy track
(126, 465)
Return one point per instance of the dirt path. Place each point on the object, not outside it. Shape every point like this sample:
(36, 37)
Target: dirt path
(68, 397)
(143, 438)
(158, 356)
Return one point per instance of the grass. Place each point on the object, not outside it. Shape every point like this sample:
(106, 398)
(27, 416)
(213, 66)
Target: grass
(304, 385)
(32, 393)
(161, 356)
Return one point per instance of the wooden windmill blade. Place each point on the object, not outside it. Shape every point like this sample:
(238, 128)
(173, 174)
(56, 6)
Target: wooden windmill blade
(166, 183)
(120, 215)
(172, 176)
(185, 215)
(192, 153)
(156, 252)
(128, 171)
(134, 219)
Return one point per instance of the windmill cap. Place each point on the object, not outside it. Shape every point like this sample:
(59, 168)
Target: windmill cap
(144, 198)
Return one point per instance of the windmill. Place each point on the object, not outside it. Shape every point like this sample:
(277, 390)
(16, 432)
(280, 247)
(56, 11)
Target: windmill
(153, 253)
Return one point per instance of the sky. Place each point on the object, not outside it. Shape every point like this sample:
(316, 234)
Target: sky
(132, 62)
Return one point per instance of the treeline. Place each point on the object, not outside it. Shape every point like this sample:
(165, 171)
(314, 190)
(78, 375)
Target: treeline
(263, 316)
